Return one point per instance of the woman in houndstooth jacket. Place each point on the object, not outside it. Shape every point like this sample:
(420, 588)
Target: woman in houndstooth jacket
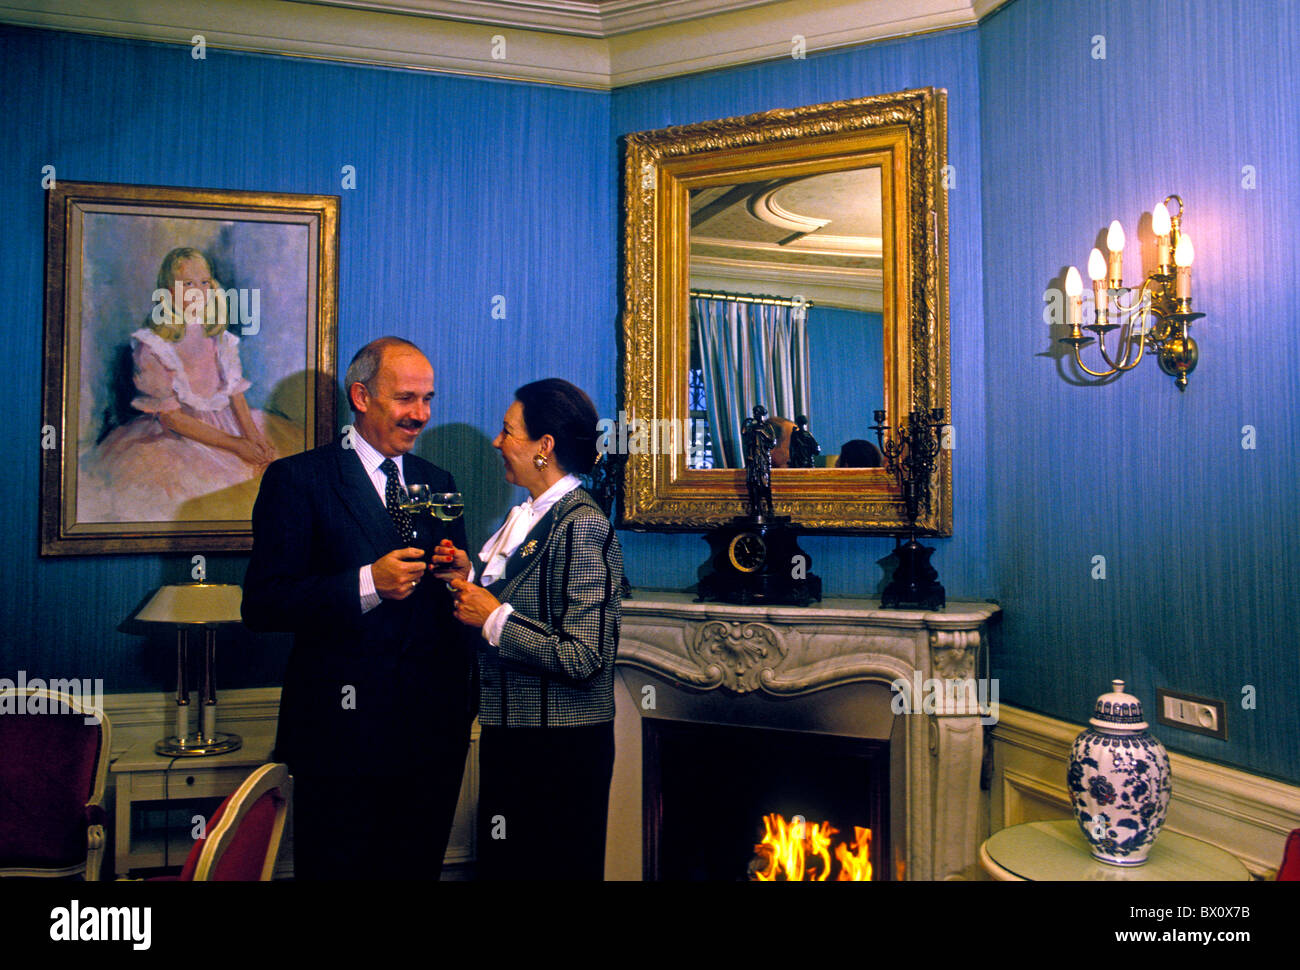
(548, 607)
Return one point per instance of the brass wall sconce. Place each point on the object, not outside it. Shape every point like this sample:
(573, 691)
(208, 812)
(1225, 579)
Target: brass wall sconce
(1164, 298)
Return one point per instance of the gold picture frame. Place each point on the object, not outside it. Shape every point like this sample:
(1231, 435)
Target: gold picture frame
(258, 352)
(906, 135)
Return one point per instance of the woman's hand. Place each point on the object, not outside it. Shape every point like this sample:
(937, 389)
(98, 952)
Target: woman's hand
(249, 452)
(262, 448)
(474, 604)
(449, 563)
(265, 450)
(178, 422)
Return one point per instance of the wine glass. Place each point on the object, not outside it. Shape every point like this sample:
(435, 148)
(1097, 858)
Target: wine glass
(416, 501)
(421, 500)
(446, 506)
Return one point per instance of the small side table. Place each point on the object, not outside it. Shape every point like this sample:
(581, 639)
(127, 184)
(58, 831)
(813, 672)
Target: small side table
(1057, 851)
(145, 780)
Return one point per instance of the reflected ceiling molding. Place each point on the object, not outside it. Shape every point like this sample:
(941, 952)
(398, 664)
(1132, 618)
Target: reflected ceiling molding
(599, 45)
(822, 286)
(819, 236)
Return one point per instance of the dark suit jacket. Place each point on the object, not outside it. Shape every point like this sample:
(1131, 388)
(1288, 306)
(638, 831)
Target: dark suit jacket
(363, 694)
(554, 666)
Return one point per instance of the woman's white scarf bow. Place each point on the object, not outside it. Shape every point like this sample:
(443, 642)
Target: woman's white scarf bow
(497, 550)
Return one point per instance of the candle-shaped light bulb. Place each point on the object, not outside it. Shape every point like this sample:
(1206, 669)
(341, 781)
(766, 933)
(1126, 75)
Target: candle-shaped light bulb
(1096, 266)
(1073, 297)
(1115, 237)
(1115, 265)
(1160, 226)
(1183, 256)
(1097, 272)
(1073, 282)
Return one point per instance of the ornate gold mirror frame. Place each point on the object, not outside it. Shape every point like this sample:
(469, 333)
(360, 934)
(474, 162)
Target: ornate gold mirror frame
(906, 135)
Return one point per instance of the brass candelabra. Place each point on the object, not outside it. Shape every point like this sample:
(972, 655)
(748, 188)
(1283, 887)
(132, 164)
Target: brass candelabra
(911, 455)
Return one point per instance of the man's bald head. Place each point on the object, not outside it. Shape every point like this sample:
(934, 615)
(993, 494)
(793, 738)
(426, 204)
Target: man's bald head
(365, 364)
(390, 387)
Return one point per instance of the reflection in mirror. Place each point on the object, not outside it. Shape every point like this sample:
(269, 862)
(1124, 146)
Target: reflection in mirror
(798, 259)
(810, 342)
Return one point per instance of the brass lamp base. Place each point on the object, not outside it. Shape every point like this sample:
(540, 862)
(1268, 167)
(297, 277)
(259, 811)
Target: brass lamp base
(219, 743)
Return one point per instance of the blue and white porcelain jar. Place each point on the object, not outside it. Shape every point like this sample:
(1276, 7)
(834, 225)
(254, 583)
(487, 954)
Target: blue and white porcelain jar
(1119, 780)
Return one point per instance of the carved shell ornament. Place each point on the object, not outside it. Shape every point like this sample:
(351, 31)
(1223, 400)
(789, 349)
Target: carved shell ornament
(739, 656)
(953, 653)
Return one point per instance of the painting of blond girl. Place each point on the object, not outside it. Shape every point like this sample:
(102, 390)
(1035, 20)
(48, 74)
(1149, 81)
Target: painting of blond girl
(195, 450)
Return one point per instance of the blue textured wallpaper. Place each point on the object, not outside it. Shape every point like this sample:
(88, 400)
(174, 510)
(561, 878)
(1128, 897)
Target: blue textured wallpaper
(1201, 536)
(469, 189)
(846, 354)
(465, 190)
(849, 565)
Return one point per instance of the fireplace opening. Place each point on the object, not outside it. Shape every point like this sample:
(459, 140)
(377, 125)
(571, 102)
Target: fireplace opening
(710, 791)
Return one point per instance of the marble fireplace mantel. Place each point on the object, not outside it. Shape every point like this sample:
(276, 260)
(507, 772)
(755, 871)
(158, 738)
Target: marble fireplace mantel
(783, 666)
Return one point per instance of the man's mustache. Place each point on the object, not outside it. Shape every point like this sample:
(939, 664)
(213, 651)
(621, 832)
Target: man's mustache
(410, 425)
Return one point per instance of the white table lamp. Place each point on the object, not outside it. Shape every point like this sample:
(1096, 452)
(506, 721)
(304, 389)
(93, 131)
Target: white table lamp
(184, 606)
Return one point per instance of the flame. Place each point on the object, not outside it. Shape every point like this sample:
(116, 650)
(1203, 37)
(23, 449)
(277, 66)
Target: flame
(855, 859)
(795, 851)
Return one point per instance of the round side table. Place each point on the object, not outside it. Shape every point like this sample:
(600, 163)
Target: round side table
(1057, 851)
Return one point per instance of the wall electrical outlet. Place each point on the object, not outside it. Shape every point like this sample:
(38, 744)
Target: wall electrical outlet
(1190, 713)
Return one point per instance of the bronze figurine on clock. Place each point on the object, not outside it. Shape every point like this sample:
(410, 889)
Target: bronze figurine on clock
(756, 557)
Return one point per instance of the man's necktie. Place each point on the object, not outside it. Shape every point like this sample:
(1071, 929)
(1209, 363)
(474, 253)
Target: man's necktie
(394, 494)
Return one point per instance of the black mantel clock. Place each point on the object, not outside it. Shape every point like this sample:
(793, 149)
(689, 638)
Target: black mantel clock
(756, 557)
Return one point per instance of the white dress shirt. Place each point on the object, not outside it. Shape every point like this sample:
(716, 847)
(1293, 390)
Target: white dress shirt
(497, 550)
(370, 461)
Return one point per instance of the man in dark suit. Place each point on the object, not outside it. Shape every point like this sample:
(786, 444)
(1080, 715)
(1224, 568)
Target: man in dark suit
(376, 706)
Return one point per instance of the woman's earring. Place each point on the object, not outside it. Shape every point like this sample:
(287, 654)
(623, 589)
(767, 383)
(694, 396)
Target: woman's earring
(539, 461)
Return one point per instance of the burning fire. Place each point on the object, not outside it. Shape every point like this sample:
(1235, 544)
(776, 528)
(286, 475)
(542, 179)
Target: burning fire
(855, 858)
(794, 851)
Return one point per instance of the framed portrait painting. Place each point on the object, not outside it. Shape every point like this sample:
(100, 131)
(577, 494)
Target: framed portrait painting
(189, 341)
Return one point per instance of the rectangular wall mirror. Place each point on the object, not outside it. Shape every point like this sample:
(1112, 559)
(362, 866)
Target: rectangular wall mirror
(795, 259)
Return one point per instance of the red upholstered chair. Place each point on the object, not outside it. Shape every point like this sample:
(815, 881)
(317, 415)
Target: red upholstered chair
(1289, 870)
(53, 766)
(243, 835)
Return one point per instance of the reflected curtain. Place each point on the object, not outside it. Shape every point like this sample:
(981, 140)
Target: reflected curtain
(751, 353)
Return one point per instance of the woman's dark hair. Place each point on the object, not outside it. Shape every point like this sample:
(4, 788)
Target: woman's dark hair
(859, 453)
(557, 408)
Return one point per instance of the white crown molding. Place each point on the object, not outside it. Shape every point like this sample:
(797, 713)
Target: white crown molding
(770, 33)
(331, 33)
(985, 7)
(589, 45)
(603, 18)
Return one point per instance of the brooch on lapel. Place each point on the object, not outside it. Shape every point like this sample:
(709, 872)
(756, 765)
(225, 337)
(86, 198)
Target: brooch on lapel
(529, 548)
